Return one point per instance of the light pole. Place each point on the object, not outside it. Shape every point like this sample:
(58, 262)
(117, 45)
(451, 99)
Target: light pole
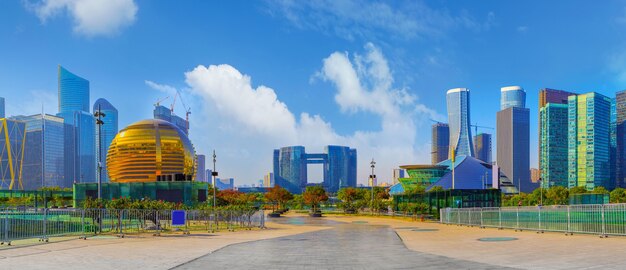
(214, 174)
(372, 176)
(99, 114)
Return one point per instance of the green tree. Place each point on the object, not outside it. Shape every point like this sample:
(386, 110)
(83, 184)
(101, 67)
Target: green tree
(557, 195)
(577, 190)
(313, 196)
(278, 196)
(349, 196)
(618, 195)
(600, 190)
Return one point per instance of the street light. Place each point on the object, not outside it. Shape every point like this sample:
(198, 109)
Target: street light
(214, 175)
(372, 176)
(99, 114)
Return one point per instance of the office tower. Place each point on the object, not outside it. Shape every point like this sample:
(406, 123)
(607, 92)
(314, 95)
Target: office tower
(482, 147)
(613, 144)
(553, 144)
(440, 142)
(164, 113)
(548, 95)
(268, 180)
(12, 136)
(80, 126)
(44, 160)
(109, 130)
(397, 174)
(620, 155)
(2, 110)
(589, 141)
(340, 167)
(512, 96)
(458, 102)
(209, 176)
(201, 176)
(513, 137)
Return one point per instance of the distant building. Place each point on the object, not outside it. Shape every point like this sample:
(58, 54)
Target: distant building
(620, 157)
(44, 160)
(209, 175)
(535, 175)
(201, 171)
(513, 138)
(164, 113)
(290, 167)
(589, 141)
(440, 143)
(397, 174)
(512, 96)
(553, 118)
(2, 108)
(11, 153)
(268, 180)
(225, 183)
(482, 147)
(458, 103)
(372, 182)
(109, 130)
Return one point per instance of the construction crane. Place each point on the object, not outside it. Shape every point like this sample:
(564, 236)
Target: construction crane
(476, 126)
(158, 102)
(187, 109)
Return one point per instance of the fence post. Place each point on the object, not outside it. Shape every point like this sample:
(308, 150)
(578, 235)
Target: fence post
(517, 219)
(45, 223)
(6, 226)
(481, 217)
(500, 217)
(603, 223)
(82, 222)
(539, 218)
(569, 229)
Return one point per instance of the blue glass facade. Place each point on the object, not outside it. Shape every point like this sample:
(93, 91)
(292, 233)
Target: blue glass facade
(164, 113)
(458, 102)
(340, 167)
(512, 96)
(201, 163)
(109, 130)
(11, 153)
(73, 92)
(44, 161)
(553, 144)
(2, 111)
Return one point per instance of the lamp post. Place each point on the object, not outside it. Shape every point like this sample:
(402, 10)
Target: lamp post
(99, 114)
(214, 174)
(372, 176)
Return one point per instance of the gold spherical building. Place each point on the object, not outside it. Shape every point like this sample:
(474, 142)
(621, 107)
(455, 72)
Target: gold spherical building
(149, 148)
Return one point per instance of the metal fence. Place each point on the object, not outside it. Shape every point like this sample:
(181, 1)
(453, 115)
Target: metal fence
(38, 223)
(601, 219)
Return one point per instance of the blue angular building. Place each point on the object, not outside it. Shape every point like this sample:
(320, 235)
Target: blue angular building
(339, 162)
(458, 102)
(109, 130)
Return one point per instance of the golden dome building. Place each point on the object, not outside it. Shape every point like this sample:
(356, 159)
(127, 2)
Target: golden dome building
(150, 149)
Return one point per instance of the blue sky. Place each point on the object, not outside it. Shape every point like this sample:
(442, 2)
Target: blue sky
(260, 75)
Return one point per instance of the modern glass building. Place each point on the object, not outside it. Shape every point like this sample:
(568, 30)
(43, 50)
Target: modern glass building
(620, 138)
(44, 160)
(512, 96)
(613, 144)
(553, 144)
(109, 130)
(73, 92)
(513, 149)
(201, 163)
(589, 117)
(440, 146)
(225, 183)
(340, 167)
(482, 147)
(2, 110)
(458, 102)
(164, 113)
(12, 137)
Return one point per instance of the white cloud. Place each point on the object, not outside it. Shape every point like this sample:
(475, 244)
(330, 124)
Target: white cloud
(90, 17)
(244, 123)
(161, 87)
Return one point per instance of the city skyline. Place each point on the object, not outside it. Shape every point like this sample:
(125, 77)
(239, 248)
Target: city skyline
(405, 68)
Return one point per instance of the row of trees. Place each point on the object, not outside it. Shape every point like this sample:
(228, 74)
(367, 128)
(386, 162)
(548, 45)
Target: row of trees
(558, 195)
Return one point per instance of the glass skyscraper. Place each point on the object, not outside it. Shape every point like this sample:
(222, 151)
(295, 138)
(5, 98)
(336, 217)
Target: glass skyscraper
(512, 96)
(11, 153)
(589, 141)
(340, 167)
(553, 144)
(482, 144)
(620, 138)
(458, 102)
(164, 113)
(440, 146)
(80, 126)
(109, 130)
(44, 160)
(2, 111)
(201, 163)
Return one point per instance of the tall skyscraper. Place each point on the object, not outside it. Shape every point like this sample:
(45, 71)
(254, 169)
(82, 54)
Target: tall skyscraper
(11, 153)
(620, 157)
(44, 160)
(201, 176)
(553, 144)
(513, 137)
(512, 96)
(164, 113)
(268, 180)
(458, 102)
(482, 147)
(613, 144)
(109, 130)
(2, 111)
(589, 141)
(80, 126)
(440, 143)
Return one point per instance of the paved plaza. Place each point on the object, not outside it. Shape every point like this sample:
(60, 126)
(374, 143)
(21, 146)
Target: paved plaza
(332, 242)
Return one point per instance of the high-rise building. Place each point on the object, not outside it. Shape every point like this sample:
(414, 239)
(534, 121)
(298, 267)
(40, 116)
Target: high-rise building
(80, 128)
(2, 111)
(613, 144)
(589, 141)
(201, 176)
(44, 160)
(482, 147)
(553, 144)
(535, 175)
(397, 174)
(268, 180)
(458, 102)
(209, 176)
(512, 96)
(109, 130)
(440, 143)
(513, 149)
(548, 95)
(11, 153)
(164, 113)
(340, 167)
(620, 138)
